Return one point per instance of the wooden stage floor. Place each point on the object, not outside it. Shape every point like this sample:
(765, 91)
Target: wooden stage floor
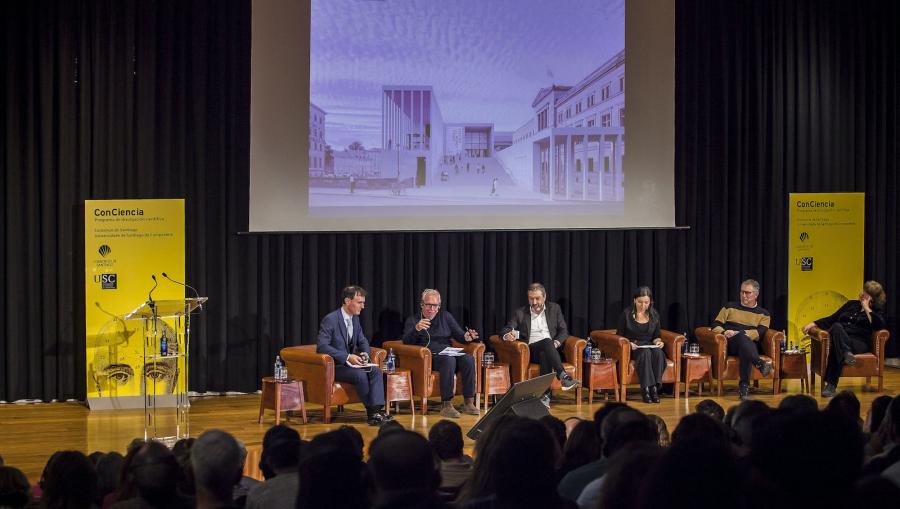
(30, 433)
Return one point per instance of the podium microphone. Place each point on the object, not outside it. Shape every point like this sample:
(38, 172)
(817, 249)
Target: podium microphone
(150, 295)
(196, 293)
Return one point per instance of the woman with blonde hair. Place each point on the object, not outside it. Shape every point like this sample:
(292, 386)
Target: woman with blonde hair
(851, 328)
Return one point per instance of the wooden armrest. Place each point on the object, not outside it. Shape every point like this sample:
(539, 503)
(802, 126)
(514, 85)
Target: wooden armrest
(674, 344)
(818, 335)
(306, 355)
(573, 349)
(879, 338)
(405, 352)
(515, 354)
(771, 345)
(712, 343)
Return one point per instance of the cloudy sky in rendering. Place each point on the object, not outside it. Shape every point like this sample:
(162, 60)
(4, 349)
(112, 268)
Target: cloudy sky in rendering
(486, 59)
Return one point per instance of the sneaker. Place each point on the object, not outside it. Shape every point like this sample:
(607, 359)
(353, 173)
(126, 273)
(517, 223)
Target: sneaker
(849, 359)
(765, 368)
(545, 400)
(375, 419)
(447, 410)
(829, 390)
(568, 383)
(744, 391)
(386, 417)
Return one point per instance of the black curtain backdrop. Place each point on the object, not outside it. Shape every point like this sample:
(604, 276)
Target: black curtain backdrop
(143, 99)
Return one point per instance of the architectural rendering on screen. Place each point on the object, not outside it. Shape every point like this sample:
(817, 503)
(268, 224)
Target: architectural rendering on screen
(467, 103)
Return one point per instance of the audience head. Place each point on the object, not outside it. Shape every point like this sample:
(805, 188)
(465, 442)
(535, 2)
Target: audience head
(582, 446)
(712, 409)
(847, 405)
(14, 488)
(876, 413)
(281, 450)
(182, 452)
(108, 468)
(355, 437)
(512, 463)
(699, 428)
(403, 462)
(390, 427)
(482, 481)
(95, 457)
(625, 426)
(793, 452)
(446, 440)
(69, 480)
(217, 459)
(335, 440)
(661, 429)
(601, 414)
(156, 474)
(799, 403)
(697, 474)
(126, 488)
(556, 428)
(743, 421)
(570, 423)
(626, 475)
(320, 486)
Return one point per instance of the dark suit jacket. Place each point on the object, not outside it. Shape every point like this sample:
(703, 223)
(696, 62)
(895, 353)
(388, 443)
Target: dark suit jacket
(333, 340)
(521, 321)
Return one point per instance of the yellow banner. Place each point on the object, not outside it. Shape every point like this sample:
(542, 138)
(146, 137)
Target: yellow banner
(826, 253)
(125, 243)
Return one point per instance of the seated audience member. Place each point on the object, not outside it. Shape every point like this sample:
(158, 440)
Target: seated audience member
(639, 323)
(434, 328)
(338, 439)
(574, 482)
(629, 434)
(850, 328)
(108, 468)
(522, 477)
(95, 457)
(355, 437)
(69, 480)
(799, 403)
(846, 404)
(695, 474)
(15, 492)
(182, 452)
(661, 428)
(280, 456)
(876, 413)
(156, 473)
(700, 428)
(582, 447)
(571, 484)
(404, 472)
(743, 324)
(125, 488)
(217, 462)
(245, 484)
(570, 423)
(390, 427)
(556, 428)
(331, 477)
(482, 479)
(712, 409)
(542, 327)
(446, 440)
(794, 452)
(887, 462)
(743, 424)
(622, 485)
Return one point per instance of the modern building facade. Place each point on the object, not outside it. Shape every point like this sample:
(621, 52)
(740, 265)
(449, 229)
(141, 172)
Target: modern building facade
(316, 141)
(411, 124)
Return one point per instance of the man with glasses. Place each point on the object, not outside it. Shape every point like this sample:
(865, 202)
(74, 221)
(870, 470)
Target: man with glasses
(434, 329)
(543, 328)
(743, 324)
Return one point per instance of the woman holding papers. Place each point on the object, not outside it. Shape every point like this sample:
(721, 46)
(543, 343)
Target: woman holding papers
(639, 324)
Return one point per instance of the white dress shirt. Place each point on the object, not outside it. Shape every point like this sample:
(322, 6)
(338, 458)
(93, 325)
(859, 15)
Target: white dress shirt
(539, 328)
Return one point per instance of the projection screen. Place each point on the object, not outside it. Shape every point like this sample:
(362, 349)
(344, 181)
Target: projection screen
(461, 114)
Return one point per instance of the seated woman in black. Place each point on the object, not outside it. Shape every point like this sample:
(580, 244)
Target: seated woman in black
(851, 329)
(640, 325)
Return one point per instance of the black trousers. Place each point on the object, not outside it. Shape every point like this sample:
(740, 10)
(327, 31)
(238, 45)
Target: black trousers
(548, 356)
(448, 366)
(369, 384)
(842, 342)
(747, 352)
(650, 364)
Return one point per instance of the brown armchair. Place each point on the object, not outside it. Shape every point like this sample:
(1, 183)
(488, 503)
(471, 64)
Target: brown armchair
(868, 364)
(518, 357)
(726, 367)
(317, 372)
(425, 382)
(619, 348)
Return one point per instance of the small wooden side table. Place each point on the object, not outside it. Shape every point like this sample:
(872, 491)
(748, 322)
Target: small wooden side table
(696, 368)
(495, 381)
(601, 374)
(397, 388)
(793, 365)
(282, 397)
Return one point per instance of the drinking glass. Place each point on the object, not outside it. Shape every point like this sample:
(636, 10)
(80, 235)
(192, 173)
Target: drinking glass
(695, 349)
(488, 359)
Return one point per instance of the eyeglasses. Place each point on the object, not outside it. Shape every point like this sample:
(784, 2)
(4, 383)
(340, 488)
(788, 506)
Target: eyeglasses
(431, 306)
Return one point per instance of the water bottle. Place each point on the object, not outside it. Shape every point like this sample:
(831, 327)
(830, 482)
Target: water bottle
(163, 345)
(783, 341)
(391, 363)
(587, 352)
(279, 369)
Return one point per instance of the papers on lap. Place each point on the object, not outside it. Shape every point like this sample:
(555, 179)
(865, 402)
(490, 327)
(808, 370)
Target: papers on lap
(452, 352)
(648, 346)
